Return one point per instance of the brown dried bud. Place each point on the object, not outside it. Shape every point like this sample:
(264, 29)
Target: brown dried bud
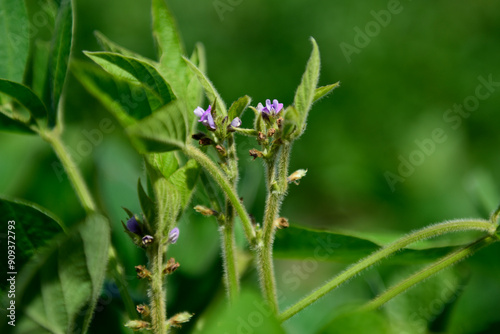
(261, 138)
(137, 325)
(179, 319)
(198, 136)
(271, 132)
(205, 141)
(279, 122)
(281, 223)
(142, 272)
(206, 211)
(143, 310)
(255, 154)
(221, 150)
(171, 266)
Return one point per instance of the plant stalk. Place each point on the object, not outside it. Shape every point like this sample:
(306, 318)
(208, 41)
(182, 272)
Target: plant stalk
(157, 294)
(425, 273)
(353, 270)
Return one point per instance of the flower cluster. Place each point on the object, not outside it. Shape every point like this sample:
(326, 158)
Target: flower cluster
(271, 109)
(206, 118)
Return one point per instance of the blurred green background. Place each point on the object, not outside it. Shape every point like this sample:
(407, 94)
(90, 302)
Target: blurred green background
(395, 90)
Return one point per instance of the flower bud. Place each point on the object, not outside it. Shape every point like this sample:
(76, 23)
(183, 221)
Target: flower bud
(221, 150)
(271, 132)
(134, 226)
(173, 235)
(205, 141)
(137, 325)
(143, 310)
(281, 223)
(255, 153)
(171, 266)
(205, 211)
(146, 240)
(179, 319)
(142, 272)
(198, 136)
(296, 176)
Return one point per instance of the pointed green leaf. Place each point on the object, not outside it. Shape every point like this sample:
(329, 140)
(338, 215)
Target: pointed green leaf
(324, 91)
(301, 243)
(14, 39)
(33, 227)
(209, 88)
(168, 41)
(184, 179)
(239, 106)
(304, 95)
(112, 47)
(194, 88)
(58, 289)
(136, 72)
(165, 130)
(118, 96)
(59, 58)
(24, 96)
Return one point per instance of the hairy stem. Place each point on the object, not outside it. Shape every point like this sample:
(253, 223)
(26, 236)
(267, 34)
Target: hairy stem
(157, 294)
(353, 270)
(72, 171)
(226, 186)
(425, 273)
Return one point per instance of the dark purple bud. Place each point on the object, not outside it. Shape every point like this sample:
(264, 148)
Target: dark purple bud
(173, 235)
(133, 226)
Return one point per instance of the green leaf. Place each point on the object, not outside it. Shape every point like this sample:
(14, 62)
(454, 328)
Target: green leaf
(249, 314)
(358, 322)
(13, 125)
(184, 179)
(165, 130)
(59, 58)
(24, 96)
(168, 42)
(165, 162)
(239, 106)
(59, 288)
(33, 228)
(301, 243)
(118, 96)
(136, 72)
(194, 88)
(304, 95)
(112, 47)
(147, 204)
(209, 88)
(324, 91)
(14, 39)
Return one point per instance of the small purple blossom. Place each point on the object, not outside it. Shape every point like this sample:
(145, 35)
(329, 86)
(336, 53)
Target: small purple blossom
(133, 226)
(271, 109)
(147, 239)
(236, 122)
(205, 117)
(173, 235)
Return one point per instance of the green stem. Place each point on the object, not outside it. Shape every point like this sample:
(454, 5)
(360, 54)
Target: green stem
(425, 273)
(353, 270)
(157, 294)
(72, 171)
(226, 186)
(265, 248)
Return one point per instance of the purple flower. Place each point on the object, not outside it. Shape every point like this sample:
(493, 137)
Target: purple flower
(133, 226)
(147, 239)
(205, 117)
(236, 122)
(270, 109)
(173, 235)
